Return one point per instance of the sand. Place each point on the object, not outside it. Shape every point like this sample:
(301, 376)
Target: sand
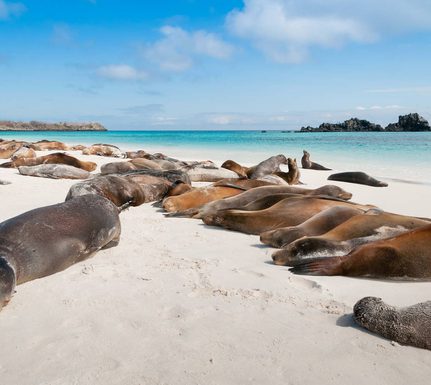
(178, 302)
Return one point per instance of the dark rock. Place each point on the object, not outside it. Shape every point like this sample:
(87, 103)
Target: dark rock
(409, 123)
(351, 125)
(7, 125)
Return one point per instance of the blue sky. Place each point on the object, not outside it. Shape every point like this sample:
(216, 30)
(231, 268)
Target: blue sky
(214, 64)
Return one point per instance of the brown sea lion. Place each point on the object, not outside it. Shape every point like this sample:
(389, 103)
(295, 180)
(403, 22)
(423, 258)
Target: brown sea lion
(103, 150)
(253, 194)
(8, 148)
(117, 168)
(49, 239)
(118, 189)
(170, 175)
(56, 158)
(42, 145)
(154, 188)
(24, 152)
(308, 164)
(318, 224)
(290, 211)
(77, 147)
(136, 154)
(293, 175)
(268, 166)
(54, 171)
(408, 326)
(407, 255)
(142, 163)
(357, 230)
(357, 177)
(177, 188)
(235, 167)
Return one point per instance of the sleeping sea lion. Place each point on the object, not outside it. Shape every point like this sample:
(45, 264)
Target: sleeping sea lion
(136, 154)
(290, 211)
(268, 166)
(8, 148)
(117, 168)
(318, 224)
(24, 152)
(170, 175)
(408, 326)
(103, 150)
(235, 167)
(357, 177)
(42, 145)
(54, 171)
(308, 164)
(49, 239)
(198, 174)
(407, 255)
(357, 230)
(56, 158)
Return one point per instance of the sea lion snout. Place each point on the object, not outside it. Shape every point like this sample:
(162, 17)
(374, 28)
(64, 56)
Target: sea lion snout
(7, 282)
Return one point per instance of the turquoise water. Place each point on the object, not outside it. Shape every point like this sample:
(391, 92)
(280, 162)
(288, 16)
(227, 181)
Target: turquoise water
(406, 155)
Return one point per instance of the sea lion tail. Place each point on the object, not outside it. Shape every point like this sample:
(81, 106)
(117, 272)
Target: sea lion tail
(318, 266)
(6, 165)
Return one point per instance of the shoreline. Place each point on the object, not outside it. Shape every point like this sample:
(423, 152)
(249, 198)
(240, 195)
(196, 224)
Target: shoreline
(180, 302)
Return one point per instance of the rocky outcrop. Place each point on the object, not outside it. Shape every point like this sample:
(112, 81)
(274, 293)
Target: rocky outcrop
(351, 125)
(406, 123)
(409, 123)
(7, 125)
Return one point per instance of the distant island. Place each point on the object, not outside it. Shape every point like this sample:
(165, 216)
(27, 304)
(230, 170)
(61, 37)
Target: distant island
(406, 123)
(7, 125)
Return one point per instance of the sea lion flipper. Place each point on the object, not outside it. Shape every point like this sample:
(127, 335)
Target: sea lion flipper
(318, 266)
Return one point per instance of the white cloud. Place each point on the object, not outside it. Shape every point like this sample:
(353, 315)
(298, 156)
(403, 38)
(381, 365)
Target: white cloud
(177, 49)
(376, 108)
(121, 72)
(286, 30)
(8, 9)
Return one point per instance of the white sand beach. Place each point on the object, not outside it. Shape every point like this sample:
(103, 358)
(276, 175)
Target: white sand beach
(178, 302)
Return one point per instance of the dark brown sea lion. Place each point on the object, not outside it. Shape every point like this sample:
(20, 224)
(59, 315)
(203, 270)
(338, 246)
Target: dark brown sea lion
(119, 190)
(308, 164)
(42, 145)
(54, 171)
(318, 224)
(268, 166)
(103, 150)
(289, 212)
(154, 188)
(407, 255)
(408, 326)
(235, 167)
(357, 230)
(177, 188)
(49, 239)
(56, 158)
(293, 175)
(251, 195)
(357, 177)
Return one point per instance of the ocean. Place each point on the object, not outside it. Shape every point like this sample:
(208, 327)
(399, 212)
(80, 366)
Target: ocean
(382, 154)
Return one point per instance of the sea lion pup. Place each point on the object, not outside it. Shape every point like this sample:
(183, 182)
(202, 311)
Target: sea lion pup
(118, 189)
(24, 152)
(49, 239)
(260, 192)
(290, 211)
(318, 224)
(103, 150)
(268, 166)
(42, 145)
(408, 326)
(56, 158)
(407, 255)
(308, 164)
(357, 177)
(293, 175)
(360, 229)
(54, 171)
(235, 167)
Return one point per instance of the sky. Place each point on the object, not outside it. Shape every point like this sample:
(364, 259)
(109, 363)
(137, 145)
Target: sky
(214, 64)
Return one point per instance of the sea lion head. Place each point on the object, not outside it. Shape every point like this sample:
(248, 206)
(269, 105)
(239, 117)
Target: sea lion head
(281, 159)
(368, 310)
(7, 281)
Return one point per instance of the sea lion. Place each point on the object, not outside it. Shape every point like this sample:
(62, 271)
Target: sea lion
(118, 189)
(24, 152)
(318, 224)
(260, 192)
(407, 255)
(77, 147)
(357, 177)
(136, 154)
(103, 150)
(308, 164)
(49, 239)
(360, 229)
(4, 182)
(235, 167)
(56, 158)
(199, 174)
(293, 175)
(117, 168)
(268, 166)
(54, 171)
(154, 188)
(408, 326)
(177, 188)
(273, 179)
(170, 175)
(290, 211)
(8, 148)
(42, 145)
